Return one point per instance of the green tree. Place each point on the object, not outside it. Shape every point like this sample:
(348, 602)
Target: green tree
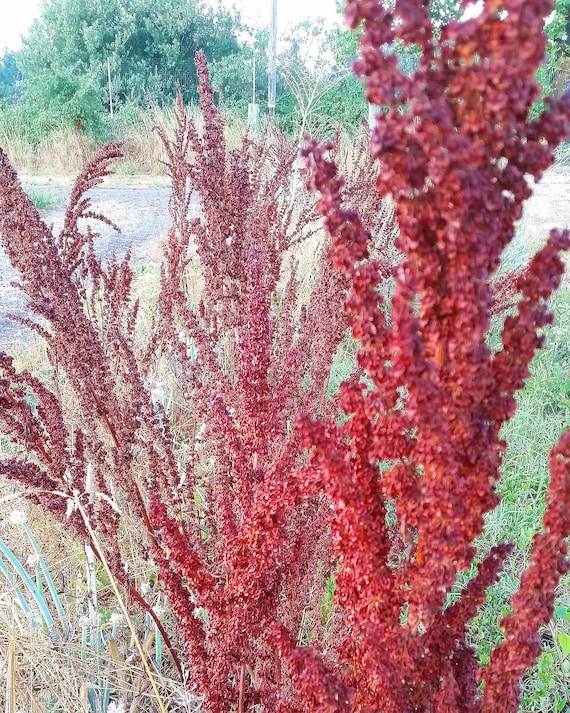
(234, 73)
(558, 29)
(441, 12)
(150, 47)
(318, 91)
(345, 103)
(9, 76)
(315, 92)
(554, 73)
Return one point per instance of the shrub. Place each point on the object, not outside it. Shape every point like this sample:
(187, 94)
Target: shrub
(455, 148)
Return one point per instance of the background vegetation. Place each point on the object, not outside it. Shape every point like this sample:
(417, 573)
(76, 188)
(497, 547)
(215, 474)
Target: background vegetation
(55, 89)
(58, 83)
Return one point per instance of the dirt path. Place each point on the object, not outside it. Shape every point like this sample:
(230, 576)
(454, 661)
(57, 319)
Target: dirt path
(141, 212)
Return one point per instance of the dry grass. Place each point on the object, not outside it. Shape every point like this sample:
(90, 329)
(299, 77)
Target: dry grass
(69, 679)
(64, 152)
(61, 152)
(96, 661)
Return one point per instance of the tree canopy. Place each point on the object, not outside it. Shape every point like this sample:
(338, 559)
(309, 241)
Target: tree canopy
(150, 48)
(60, 76)
(9, 75)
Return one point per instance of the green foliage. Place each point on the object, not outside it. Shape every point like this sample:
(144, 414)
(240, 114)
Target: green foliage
(150, 47)
(554, 74)
(9, 76)
(441, 12)
(558, 29)
(287, 113)
(63, 99)
(25, 122)
(347, 47)
(234, 74)
(321, 95)
(40, 199)
(444, 11)
(26, 589)
(347, 41)
(341, 106)
(344, 103)
(543, 413)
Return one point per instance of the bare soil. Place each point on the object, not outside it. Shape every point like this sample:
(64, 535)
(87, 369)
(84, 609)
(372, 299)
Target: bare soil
(139, 207)
(140, 211)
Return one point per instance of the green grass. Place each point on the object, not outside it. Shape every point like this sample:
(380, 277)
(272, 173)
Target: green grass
(563, 154)
(41, 199)
(542, 415)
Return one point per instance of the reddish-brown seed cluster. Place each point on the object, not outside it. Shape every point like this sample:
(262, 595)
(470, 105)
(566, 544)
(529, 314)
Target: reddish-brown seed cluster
(249, 491)
(456, 144)
(258, 358)
(188, 429)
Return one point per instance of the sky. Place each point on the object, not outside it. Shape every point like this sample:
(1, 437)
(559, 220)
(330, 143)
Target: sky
(16, 15)
(15, 19)
(289, 12)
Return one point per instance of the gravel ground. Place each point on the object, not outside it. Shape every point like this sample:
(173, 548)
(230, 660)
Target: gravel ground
(141, 212)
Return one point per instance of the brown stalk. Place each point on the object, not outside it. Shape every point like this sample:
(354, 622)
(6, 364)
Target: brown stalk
(113, 433)
(132, 592)
(41, 449)
(241, 688)
(277, 669)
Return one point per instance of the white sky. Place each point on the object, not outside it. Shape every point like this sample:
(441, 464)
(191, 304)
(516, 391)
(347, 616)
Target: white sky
(15, 19)
(289, 12)
(16, 15)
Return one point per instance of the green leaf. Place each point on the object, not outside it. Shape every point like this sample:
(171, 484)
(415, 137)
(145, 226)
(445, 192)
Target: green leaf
(564, 641)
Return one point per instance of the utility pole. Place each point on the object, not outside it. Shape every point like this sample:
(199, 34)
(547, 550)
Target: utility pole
(271, 69)
(253, 83)
(253, 108)
(110, 88)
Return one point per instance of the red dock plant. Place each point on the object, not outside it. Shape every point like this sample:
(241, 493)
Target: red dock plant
(185, 433)
(254, 488)
(456, 146)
